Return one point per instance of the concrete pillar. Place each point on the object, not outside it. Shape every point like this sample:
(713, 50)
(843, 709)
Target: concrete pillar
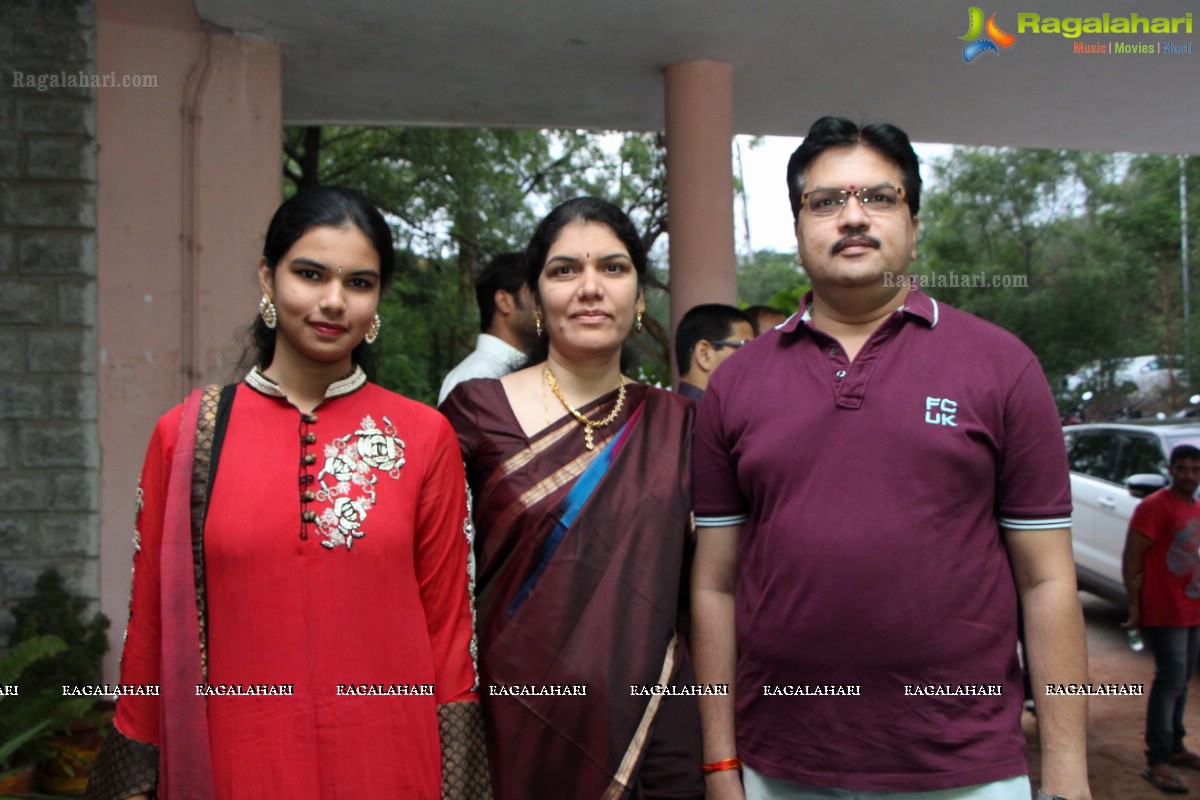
(188, 176)
(699, 114)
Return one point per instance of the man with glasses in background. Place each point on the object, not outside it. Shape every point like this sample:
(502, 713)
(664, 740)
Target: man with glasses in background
(707, 335)
(877, 481)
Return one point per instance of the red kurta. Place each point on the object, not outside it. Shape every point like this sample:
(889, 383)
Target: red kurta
(336, 567)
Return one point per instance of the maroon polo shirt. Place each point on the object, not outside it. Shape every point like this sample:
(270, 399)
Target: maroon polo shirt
(871, 496)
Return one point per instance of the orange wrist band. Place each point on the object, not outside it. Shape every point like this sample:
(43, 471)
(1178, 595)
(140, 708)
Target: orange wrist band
(722, 765)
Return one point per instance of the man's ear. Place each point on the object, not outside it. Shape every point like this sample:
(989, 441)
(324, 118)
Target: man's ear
(505, 302)
(702, 355)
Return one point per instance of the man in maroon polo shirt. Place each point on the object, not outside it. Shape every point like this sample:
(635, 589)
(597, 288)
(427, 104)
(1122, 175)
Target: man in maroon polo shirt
(877, 481)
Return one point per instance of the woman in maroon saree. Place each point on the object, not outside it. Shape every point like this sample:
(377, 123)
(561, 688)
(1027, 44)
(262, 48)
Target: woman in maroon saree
(582, 501)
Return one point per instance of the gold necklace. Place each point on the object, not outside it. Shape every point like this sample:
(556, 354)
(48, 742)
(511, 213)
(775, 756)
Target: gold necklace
(588, 425)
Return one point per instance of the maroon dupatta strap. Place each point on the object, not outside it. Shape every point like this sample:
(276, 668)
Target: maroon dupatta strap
(185, 770)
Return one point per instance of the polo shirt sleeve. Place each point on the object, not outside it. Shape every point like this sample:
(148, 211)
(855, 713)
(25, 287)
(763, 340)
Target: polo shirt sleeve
(1033, 487)
(718, 497)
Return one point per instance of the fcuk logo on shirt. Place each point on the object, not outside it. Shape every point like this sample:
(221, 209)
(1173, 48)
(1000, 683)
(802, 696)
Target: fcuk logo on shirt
(940, 411)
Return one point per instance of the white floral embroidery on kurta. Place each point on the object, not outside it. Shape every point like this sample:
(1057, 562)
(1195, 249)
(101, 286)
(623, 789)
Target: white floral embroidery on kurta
(138, 502)
(348, 479)
(469, 532)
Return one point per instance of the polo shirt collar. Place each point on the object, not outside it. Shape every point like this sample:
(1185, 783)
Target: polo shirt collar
(917, 304)
(922, 306)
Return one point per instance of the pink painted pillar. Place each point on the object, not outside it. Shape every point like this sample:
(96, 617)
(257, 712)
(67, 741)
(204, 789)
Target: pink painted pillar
(182, 203)
(699, 106)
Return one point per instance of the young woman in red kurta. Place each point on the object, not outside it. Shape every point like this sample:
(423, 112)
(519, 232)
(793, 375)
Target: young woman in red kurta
(316, 640)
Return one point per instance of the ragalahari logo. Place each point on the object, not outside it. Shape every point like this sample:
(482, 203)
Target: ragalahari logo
(995, 37)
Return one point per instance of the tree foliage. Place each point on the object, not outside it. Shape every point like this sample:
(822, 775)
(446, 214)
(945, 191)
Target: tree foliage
(767, 274)
(1090, 239)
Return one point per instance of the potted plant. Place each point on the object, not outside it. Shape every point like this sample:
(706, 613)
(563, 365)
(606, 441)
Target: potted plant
(73, 740)
(28, 716)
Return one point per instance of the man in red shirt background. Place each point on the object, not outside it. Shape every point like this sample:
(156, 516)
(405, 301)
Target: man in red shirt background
(1161, 567)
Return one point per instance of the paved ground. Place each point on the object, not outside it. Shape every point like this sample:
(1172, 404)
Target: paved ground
(1116, 724)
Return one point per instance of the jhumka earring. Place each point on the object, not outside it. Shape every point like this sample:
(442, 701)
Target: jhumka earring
(537, 321)
(638, 327)
(373, 331)
(266, 310)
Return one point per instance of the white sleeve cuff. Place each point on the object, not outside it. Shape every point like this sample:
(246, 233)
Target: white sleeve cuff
(721, 522)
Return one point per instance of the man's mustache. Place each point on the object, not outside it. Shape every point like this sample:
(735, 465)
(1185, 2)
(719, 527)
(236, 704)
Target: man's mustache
(854, 240)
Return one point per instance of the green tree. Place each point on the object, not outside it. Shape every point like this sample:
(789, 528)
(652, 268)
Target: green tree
(1031, 218)
(767, 276)
(1145, 215)
(1095, 237)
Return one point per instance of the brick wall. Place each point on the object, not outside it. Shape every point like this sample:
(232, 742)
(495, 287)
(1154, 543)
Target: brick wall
(49, 452)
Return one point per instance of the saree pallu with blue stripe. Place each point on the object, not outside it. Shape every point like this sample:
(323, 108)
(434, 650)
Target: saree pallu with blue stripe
(580, 558)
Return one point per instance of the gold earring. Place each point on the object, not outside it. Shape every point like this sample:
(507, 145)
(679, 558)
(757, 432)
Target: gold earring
(638, 327)
(537, 321)
(373, 331)
(266, 310)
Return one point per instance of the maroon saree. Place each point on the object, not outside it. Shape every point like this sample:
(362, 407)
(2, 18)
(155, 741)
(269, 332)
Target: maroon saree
(580, 558)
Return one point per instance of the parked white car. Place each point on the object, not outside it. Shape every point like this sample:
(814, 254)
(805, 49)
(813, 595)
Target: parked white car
(1146, 373)
(1114, 465)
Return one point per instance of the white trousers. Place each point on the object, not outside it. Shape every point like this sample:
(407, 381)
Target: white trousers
(759, 787)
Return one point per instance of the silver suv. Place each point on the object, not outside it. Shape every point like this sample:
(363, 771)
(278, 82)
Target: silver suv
(1113, 466)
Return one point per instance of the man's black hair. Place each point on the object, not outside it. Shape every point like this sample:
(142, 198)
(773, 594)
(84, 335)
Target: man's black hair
(1184, 452)
(756, 314)
(882, 137)
(505, 272)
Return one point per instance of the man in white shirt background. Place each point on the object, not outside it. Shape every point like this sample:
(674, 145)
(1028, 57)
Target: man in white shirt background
(508, 331)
